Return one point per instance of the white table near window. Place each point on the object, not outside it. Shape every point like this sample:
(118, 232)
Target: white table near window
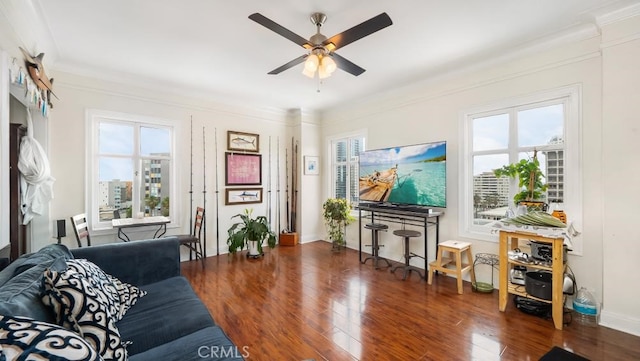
(123, 223)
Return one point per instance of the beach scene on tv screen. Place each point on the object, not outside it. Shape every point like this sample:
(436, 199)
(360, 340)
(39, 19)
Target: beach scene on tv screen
(413, 174)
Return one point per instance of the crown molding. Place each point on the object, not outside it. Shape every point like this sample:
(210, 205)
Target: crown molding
(618, 15)
(300, 116)
(30, 28)
(149, 93)
(415, 92)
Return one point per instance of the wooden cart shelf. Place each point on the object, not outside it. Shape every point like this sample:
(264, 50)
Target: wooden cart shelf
(509, 241)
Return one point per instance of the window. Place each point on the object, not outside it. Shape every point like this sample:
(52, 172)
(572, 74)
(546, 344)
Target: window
(344, 166)
(505, 133)
(131, 167)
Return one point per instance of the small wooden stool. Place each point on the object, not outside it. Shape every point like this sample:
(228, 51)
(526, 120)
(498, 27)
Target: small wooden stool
(453, 265)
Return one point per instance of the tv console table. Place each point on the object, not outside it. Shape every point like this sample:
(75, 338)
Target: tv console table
(415, 216)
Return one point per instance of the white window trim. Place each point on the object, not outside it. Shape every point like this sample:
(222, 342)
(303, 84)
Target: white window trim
(329, 140)
(573, 158)
(92, 118)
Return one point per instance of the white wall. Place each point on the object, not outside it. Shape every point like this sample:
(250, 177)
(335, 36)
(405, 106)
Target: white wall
(67, 144)
(4, 149)
(621, 160)
(310, 196)
(429, 111)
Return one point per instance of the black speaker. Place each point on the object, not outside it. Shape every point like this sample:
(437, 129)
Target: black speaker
(62, 228)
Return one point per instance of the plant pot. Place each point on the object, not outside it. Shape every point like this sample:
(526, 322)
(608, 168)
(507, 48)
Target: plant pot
(534, 205)
(252, 246)
(288, 239)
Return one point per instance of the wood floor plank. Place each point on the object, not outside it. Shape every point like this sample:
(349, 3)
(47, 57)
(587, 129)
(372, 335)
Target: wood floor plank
(309, 302)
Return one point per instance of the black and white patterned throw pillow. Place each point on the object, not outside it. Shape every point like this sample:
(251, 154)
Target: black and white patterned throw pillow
(80, 307)
(23, 338)
(101, 283)
(120, 295)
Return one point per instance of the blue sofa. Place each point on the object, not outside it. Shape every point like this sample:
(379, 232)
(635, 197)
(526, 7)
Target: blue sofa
(169, 323)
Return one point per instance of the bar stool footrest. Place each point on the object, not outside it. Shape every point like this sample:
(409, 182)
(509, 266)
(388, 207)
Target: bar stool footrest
(407, 271)
(376, 260)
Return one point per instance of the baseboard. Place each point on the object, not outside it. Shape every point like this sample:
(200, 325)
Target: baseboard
(310, 238)
(620, 322)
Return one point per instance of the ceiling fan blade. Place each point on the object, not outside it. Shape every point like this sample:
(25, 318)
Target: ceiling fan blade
(279, 29)
(288, 65)
(346, 65)
(359, 31)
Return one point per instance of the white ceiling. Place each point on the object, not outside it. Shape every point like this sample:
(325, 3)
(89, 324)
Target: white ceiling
(211, 48)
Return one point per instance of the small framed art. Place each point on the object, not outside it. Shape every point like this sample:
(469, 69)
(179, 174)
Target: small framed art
(311, 165)
(242, 196)
(245, 142)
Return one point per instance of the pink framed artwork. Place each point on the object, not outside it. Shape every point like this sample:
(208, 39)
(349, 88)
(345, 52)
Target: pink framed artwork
(243, 169)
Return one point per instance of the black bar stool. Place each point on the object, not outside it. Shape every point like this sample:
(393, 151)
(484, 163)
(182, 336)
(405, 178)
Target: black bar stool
(375, 246)
(407, 234)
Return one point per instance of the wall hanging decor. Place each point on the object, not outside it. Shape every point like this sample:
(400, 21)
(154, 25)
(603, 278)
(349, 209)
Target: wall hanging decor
(36, 71)
(242, 196)
(245, 142)
(311, 165)
(243, 169)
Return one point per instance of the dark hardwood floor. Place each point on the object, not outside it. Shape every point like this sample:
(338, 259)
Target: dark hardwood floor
(307, 302)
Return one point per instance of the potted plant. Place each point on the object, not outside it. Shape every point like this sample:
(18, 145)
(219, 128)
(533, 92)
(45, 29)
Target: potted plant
(250, 233)
(337, 215)
(530, 180)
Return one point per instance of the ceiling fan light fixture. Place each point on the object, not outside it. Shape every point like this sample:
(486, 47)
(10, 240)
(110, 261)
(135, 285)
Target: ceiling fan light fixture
(310, 74)
(322, 74)
(321, 46)
(312, 62)
(328, 65)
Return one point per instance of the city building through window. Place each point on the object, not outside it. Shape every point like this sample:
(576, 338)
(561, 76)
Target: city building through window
(132, 167)
(344, 166)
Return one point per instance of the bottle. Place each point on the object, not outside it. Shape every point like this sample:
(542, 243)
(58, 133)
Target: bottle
(585, 308)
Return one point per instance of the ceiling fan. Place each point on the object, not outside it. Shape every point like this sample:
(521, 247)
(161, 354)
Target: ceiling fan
(321, 54)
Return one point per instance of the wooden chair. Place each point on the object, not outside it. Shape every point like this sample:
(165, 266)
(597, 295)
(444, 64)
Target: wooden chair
(192, 241)
(81, 228)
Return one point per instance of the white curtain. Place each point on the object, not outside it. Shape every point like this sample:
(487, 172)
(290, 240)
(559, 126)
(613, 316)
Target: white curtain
(35, 175)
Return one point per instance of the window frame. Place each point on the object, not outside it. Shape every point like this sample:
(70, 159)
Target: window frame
(331, 174)
(571, 97)
(93, 118)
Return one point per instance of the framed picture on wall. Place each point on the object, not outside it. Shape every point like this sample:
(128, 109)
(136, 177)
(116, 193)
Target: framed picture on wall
(311, 165)
(245, 142)
(243, 169)
(242, 196)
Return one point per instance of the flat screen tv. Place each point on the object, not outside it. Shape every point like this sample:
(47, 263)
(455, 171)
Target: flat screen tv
(407, 175)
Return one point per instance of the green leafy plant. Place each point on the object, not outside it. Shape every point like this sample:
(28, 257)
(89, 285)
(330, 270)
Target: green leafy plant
(250, 229)
(530, 178)
(152, 202)
(337, 214)
(164, 206)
